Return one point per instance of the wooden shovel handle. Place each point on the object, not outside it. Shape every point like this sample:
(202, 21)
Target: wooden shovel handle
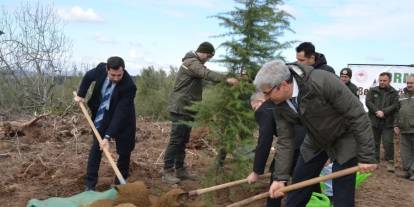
(98, 136)
(222, 186)
(299, 185)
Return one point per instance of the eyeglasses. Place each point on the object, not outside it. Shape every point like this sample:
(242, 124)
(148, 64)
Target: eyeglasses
(267, 93)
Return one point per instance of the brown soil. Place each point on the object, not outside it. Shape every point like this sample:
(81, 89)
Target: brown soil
(135, 193)
(48, 159)
(102, 203)
(126, 205)
(170, 199)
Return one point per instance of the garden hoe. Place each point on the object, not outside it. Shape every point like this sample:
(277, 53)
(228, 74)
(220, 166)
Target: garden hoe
(98, 136)
(299, 185)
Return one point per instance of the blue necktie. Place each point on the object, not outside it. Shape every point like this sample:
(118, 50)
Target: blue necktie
(295, 103)
(105, 102)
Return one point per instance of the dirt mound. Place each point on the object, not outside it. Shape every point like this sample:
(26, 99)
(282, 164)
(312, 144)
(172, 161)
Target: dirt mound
(170, 199)
(153, 199)
(126, 205)
(135, 193)
(102, 203)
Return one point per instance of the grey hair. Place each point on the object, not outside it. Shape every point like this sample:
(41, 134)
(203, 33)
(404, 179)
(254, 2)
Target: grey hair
(272, 73)
(256, 96)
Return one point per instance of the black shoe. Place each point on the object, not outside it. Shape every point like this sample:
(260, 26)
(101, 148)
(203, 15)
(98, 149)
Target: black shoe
(89, 188)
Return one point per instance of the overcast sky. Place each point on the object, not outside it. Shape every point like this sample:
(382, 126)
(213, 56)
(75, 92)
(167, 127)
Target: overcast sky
(159, 33)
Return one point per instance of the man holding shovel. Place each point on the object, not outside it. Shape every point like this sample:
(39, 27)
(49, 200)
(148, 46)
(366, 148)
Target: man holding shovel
(263, 112)
(113, 114)
(338, 128)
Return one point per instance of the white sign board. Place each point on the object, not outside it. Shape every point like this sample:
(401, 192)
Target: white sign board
(365, 76)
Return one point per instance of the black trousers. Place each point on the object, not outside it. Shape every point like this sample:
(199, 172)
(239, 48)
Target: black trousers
(179, 137)
(94, 160)
(343, 187)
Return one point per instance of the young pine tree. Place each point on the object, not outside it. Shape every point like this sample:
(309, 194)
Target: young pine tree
(254, 28)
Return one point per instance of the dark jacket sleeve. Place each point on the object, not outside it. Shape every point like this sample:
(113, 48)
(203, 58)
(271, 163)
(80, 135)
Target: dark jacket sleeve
(346, 104)
(284, 149)
(327, 68)
(391, 109)
(369, 102)
(267, 129)
(87, 80)
(122, 110)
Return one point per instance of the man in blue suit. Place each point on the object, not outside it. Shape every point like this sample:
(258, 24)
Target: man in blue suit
(113, 113)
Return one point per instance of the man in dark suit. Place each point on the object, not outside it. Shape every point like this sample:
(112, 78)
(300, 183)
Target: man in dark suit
(265, 117)
(263, 112)
(113, 112)
(337, 128)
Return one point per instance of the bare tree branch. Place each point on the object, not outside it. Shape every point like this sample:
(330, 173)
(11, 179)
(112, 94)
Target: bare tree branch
(33, 53)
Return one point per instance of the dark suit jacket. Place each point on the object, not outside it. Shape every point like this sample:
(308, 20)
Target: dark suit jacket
(267, 128)
(119, 121)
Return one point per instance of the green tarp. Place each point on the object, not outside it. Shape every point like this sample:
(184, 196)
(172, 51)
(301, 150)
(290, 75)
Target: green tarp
(80, 200)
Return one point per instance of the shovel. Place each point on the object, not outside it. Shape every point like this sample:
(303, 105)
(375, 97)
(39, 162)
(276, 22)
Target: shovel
(217, 187)
(299, 185)
(98, 136)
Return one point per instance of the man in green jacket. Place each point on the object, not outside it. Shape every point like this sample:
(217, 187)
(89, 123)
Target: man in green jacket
(382, 104)
(188, 88)
(338, 129)
(404, 126)
(345, 75)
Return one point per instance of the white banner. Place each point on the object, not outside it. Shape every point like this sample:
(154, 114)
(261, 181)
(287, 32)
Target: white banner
(365, 76)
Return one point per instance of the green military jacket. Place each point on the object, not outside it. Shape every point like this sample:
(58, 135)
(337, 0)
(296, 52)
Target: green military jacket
(385, 100)
(334, 118)
(188, 86)
(405, 117)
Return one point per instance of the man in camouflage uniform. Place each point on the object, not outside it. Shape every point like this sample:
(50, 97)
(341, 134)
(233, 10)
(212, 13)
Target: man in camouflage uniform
(404, 125)
(345, 75)
(382, 104)
(188, 88)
